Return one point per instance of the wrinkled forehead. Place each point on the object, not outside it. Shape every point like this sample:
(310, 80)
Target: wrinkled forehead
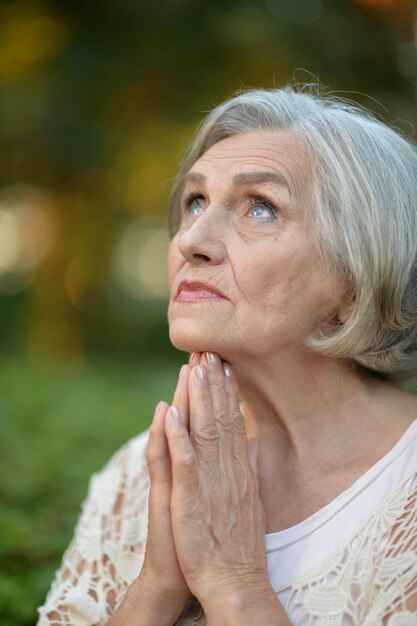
(279, 152)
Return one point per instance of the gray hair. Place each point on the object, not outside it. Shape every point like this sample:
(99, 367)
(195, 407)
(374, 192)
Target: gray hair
(363, 214)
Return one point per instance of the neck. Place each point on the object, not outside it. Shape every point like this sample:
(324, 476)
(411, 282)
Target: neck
(308, 407)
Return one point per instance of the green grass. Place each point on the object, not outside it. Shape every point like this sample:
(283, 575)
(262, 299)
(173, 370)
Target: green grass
(58, 425)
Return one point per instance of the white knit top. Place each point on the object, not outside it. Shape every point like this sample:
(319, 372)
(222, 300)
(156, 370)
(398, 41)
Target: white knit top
(352, 563)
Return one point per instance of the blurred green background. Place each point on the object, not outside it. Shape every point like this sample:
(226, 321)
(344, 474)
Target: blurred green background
(97, 102)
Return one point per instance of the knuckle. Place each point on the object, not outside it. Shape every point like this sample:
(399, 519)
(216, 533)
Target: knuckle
(239, 425)
(187, 461)
(221, 410)
(206, 435)
(153, 457)
(216, 381)
(152, 467)
(224, 425)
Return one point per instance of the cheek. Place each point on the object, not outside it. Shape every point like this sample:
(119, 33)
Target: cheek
(261, 286)
(265, 278)
(285, 278)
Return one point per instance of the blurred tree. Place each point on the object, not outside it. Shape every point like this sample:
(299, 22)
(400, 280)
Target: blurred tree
(98, 100)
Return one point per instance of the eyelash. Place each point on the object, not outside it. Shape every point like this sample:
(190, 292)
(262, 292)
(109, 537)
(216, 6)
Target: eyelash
(189, 198)
(259, 200)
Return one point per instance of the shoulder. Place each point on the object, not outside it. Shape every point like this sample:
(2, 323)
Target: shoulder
(134, 448)
(124, 476)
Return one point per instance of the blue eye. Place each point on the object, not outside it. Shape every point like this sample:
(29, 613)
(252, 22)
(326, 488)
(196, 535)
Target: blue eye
(194, 205)
(261, 208)
(260, 204)
(192, 202)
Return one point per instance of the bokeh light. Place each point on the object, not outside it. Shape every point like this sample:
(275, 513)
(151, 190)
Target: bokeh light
(27, 234)
(140, 259)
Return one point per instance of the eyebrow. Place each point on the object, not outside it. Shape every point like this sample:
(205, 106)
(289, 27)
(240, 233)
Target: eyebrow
(245, 178)
(195, 177)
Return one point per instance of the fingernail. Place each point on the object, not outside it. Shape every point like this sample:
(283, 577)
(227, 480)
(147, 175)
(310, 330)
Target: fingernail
(230, 382)
(174, 415)
(159, 406)
(201, 372)
(227, 370)
(211, 359)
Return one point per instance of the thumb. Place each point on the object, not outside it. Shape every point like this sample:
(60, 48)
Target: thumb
(253, 454)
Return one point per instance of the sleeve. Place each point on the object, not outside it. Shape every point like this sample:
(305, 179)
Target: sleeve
(107, 549)
(394, 601)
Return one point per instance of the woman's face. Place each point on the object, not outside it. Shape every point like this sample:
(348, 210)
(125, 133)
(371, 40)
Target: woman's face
(243, 232)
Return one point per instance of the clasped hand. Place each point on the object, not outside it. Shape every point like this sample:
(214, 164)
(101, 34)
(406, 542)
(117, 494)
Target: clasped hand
(206, 528)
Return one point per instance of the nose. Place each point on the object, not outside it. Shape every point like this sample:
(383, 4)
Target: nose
(203, 241)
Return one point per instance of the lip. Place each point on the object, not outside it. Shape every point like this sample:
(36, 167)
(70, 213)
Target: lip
(199, 285)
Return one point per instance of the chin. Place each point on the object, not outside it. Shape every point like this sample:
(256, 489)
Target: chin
(195, 337)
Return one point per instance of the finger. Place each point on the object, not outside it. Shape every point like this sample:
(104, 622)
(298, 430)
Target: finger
(194, 358)
(184, 464)
(157, 451)
(241, 458)
(203, 431)
(222, 415)
(181, 399)
(240, 441)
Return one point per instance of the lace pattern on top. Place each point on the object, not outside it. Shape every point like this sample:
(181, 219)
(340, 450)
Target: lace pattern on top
(370, 581)
(107, 550)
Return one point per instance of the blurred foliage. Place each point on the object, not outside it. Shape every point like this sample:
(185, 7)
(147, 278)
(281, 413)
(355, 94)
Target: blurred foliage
(98, 99)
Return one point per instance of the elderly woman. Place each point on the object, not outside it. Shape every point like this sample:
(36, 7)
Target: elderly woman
(280, 486)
